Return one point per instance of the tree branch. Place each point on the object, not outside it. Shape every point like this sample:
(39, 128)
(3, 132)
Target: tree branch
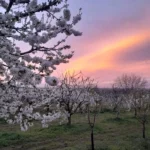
(9, 5)
(43, 8)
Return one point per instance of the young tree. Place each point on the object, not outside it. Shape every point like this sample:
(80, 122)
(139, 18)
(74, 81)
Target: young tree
(117, 100)
(143, 111)
(102, 98)
(131, 84)
(71, 93)
(92, 111)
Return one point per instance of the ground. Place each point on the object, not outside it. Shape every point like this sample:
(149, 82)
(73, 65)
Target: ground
(109, 134)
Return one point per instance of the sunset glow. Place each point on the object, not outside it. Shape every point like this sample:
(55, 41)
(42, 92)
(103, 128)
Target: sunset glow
(103, 57)
(114, 42)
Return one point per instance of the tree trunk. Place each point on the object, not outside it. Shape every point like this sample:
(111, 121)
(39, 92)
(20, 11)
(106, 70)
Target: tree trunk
(114, 109)
(69, 120)
(118, 113)
(143, 130)
(135, 112)
(92, 139)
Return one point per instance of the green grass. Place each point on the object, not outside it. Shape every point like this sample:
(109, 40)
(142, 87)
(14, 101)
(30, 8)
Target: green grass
(109, 133)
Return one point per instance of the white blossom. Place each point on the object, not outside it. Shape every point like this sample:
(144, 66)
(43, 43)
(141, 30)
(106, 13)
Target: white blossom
(67, 14)
(51, 81)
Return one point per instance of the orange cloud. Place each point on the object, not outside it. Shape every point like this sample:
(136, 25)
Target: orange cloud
(103, 58)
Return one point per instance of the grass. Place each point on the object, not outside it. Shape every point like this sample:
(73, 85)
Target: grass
(109, 133)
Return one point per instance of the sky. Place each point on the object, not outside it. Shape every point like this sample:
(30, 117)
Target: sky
(115, 40)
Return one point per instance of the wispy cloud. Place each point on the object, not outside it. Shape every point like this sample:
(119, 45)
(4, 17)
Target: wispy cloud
(116, 39)
(104, 57)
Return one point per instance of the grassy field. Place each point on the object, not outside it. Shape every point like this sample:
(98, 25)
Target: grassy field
(110, 134)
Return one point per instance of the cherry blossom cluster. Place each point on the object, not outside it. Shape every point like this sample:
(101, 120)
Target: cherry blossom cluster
(34, 24)
(33, 34)
(25, 105)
